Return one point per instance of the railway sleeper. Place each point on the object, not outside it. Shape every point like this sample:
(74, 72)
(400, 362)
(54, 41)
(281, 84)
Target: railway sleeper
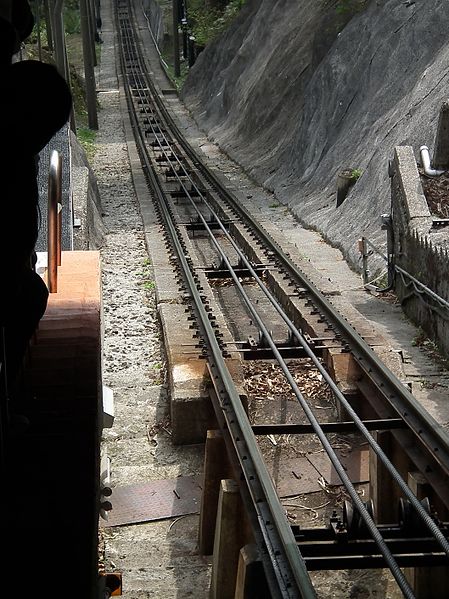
(328, 427)
(190, 408)
(259, 349)
(345, 543)
(159, 143)
(155, 130)
(167, 158)
(131, 62)
(181, 194)
(175, 173)
(137, 92)
(134, 81)
(221, 271)
(151, 120)
(181, 361)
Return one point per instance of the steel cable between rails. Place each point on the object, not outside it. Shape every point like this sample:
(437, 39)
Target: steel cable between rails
(344, 402)
(289, 543)
(306, 589)
(430, 432)
(426, 518)
(391, 562)
(428, 521)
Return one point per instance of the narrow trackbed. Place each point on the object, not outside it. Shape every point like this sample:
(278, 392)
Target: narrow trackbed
(281, 316)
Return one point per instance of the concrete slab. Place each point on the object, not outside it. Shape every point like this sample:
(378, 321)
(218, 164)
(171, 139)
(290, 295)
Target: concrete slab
(65, 358)
(355, 463)
(190, 408)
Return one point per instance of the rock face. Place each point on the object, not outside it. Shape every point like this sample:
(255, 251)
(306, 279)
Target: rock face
(295, 92)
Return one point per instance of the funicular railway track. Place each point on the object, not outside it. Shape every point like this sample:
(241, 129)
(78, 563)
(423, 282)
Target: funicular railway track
(197, 212)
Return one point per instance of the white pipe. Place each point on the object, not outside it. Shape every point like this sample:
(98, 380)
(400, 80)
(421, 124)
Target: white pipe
(425, 158)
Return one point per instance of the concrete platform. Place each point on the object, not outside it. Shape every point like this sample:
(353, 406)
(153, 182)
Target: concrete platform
(65, 358)
(53, 470)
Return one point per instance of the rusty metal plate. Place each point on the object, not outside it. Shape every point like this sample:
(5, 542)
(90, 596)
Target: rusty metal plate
(154, 500)
(356, 464)
(297, 476)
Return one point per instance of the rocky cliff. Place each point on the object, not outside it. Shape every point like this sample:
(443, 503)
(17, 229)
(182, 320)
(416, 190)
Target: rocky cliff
(296, 91)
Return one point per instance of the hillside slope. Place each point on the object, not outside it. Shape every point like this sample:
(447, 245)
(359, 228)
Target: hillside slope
(294, 93)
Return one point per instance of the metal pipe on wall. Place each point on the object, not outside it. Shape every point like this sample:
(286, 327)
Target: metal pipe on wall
(425, 159)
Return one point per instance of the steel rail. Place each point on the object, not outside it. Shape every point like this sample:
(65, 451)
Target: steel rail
(418, 507)
(421, 423)
(294, 580)
(299, 571)
(383, 547)
(428, 521)
(429, 432)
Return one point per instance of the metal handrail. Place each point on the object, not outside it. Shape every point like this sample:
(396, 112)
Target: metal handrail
(54, 220)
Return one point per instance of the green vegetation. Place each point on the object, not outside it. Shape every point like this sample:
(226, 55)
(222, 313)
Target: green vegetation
(38, 32)
(149, 285)
(343, 7)
(356, 173)
(87, 137)
(381, 279)
(178, 82)
(73, 43)
(206, 23)
(72, 17)
(350, 7)
(145, 275)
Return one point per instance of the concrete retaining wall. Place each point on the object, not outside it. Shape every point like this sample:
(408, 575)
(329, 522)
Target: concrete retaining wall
(416, 252)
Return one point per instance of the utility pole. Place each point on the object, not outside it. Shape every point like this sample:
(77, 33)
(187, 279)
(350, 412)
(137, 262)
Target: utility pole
(59, 39)
(48, 25)
(38, 27)
(92, 27)
(89, 75)
(176, 60)
(59, 47)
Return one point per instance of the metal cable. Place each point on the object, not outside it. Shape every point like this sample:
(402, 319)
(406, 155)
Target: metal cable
(426, 518)
(376, 448)
(282, 527)
(428, 521)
